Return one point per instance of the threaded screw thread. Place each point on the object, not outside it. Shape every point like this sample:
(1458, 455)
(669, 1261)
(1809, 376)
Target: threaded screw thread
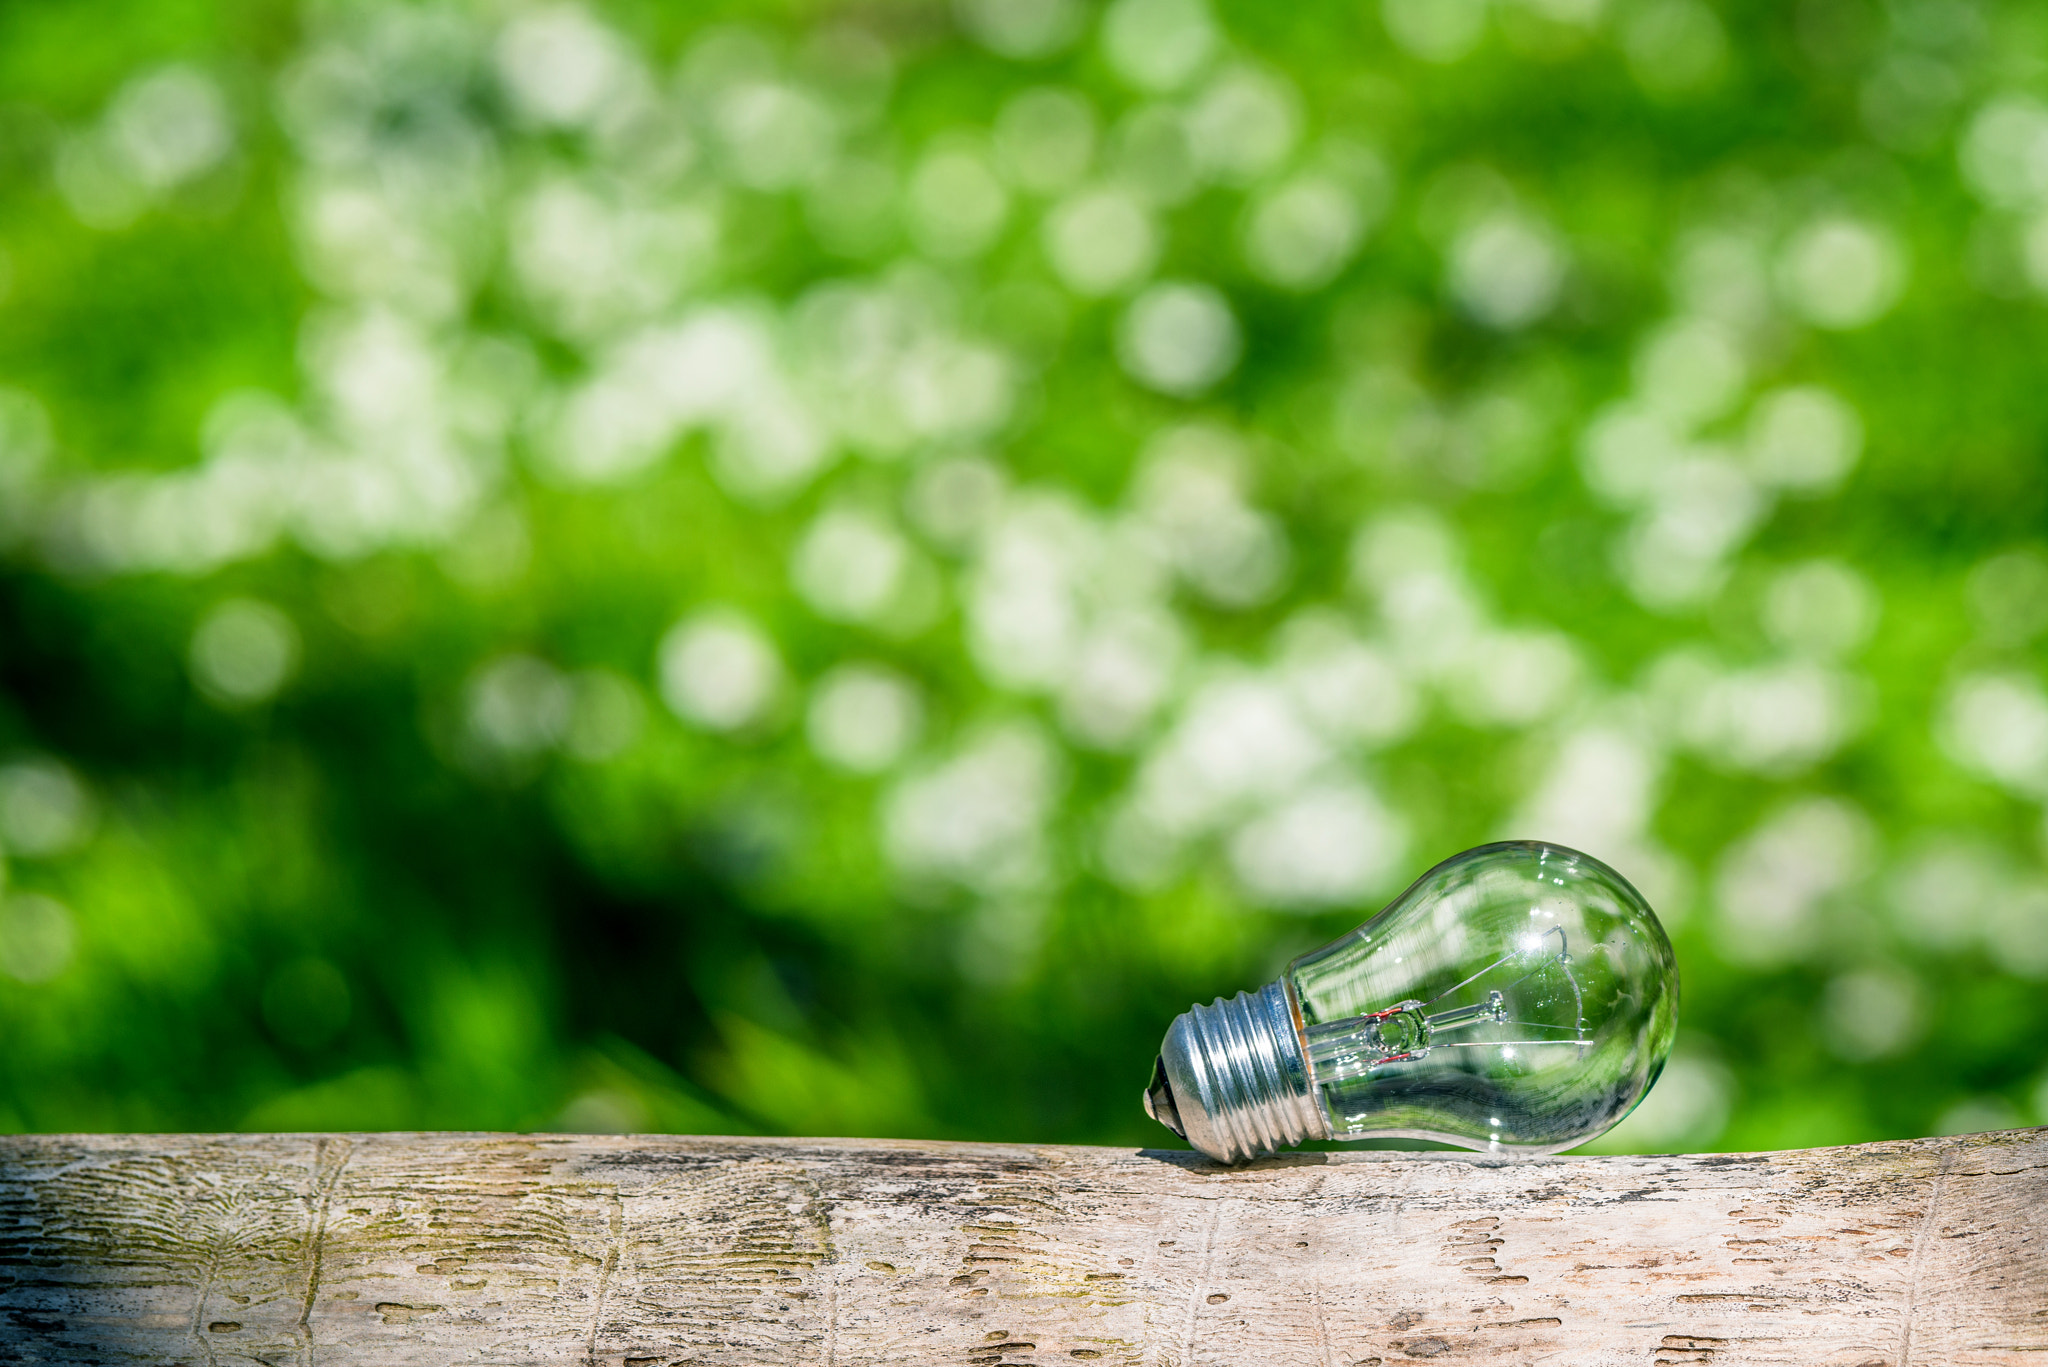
(1239, 1080)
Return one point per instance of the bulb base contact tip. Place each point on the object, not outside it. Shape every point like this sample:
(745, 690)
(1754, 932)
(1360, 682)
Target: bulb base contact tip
(1232, 1078)
(1159, 1099)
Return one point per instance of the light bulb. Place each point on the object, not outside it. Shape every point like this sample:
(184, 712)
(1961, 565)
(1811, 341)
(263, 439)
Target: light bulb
(1519, 998)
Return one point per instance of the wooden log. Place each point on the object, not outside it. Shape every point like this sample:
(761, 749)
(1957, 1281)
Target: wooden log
(501, 1249)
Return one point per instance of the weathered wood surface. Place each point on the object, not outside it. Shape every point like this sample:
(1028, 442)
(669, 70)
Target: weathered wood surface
(502, 1249)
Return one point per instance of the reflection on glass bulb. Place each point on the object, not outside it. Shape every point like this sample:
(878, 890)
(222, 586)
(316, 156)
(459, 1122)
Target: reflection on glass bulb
(1519, 998)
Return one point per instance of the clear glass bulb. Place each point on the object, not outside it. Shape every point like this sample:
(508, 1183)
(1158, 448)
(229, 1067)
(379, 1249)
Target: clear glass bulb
(1520, 997)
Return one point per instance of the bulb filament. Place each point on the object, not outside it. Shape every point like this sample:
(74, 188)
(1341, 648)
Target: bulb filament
(1407, 1031)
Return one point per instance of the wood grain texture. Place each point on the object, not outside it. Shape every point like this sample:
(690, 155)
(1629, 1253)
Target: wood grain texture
(503, 1249)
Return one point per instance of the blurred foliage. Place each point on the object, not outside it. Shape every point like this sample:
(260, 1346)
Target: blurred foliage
(827, 569)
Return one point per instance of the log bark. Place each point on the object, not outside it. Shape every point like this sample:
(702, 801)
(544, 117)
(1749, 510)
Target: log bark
(637, 1252)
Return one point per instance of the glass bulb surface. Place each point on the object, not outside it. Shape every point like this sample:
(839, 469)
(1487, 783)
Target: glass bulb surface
(1519, 997)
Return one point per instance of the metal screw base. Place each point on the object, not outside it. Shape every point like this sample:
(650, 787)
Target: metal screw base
(1231, 1078)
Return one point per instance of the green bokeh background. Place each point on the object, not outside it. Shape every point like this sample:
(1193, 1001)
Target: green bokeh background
(342, 899)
